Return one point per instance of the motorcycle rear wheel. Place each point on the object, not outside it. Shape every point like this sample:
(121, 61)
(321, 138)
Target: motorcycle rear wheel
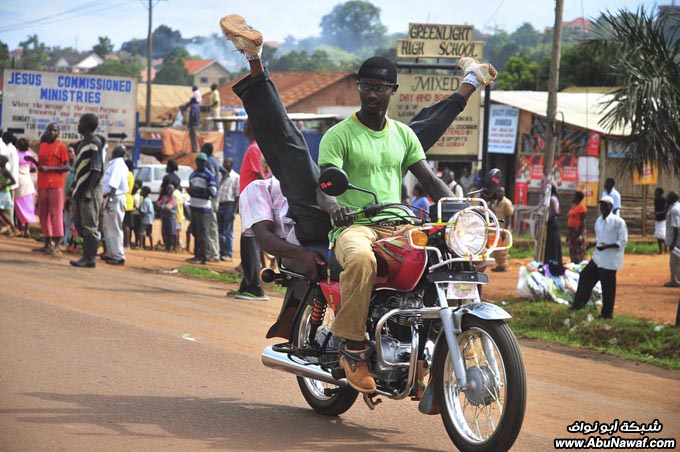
(489, 416)
(313, 390)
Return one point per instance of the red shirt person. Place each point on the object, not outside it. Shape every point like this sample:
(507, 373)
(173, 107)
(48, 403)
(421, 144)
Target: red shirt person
(252, 167)
(53, 164)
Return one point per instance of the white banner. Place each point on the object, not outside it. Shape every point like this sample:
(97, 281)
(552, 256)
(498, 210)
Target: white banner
(503, 124)
(33, 99)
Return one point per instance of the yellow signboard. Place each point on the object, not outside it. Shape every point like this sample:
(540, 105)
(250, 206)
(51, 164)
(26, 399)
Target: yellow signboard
(420, 48)
(438, 41)
(418, 91)
(649, 176)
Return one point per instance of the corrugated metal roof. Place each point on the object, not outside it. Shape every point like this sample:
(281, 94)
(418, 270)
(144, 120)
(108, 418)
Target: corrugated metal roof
(579, 109)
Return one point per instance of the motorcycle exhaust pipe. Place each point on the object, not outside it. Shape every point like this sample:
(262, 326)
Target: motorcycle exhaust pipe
(281, 361)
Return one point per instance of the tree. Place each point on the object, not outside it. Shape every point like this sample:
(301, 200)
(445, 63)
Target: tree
(163, 39)
(173, 71)
(353, 25)
(526, 35)
(645, 57)
(104, 47)
(4, 56)
(499, 48)
(521, 73)
(34, 53)
(585, 64)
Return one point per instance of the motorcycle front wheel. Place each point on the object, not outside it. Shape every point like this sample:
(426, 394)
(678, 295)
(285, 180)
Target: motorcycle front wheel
(488, 416)
(312, 390)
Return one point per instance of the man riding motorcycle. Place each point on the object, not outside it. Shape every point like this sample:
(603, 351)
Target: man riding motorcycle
(371, 148)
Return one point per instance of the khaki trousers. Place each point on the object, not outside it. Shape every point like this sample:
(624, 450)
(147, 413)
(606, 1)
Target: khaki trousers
(353, 251)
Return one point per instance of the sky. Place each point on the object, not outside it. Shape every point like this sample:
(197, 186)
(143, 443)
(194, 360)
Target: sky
(79, 23)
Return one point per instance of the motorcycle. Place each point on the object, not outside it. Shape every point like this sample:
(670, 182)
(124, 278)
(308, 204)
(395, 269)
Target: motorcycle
(426, 318)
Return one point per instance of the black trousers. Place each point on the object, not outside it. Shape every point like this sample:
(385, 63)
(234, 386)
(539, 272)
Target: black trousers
(287, 154)
(250, 262)
(590, 275)
(201, 223)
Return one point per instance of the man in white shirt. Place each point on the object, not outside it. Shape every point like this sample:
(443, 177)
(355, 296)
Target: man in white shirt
(263, 210)
(227, 198)
(196, 94)
(673, 237)
(8, 148)
(114, 187)
(609, 190)
(611, 236)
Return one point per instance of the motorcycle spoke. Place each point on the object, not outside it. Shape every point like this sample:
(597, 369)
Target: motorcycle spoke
(480, 409)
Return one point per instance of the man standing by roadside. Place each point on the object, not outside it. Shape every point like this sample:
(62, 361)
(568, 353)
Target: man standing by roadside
(227, 199)
(673, 237)
(611, 236)
(114, 187)
(609, 190)
(467, 180)
(87, 191)
(202, 188)
(213, 165)
(53, 164)
(215, 107)
(503, 209)
(194, 122)
(252, 169)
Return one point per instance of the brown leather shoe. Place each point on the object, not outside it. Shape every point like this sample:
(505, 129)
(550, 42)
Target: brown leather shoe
(355, 364)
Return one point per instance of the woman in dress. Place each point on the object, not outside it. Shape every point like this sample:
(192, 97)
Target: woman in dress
(553, 242)
(576, 224)
(24, 201)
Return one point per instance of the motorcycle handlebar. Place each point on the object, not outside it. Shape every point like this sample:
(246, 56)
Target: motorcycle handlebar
(369, 210)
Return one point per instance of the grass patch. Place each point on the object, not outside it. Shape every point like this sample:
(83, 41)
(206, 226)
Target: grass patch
(625, 337)
(642, 247)
(525, 248)
(228, 276)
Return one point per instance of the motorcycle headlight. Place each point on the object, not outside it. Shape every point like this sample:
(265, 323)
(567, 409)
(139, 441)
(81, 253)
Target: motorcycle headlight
(467, 233)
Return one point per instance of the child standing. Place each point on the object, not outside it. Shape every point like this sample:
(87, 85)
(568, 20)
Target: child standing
(146, 215)
(168, 206)
(136, 203)
(179, 217)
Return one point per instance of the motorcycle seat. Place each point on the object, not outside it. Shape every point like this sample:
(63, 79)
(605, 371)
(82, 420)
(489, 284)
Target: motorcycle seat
(320, 248)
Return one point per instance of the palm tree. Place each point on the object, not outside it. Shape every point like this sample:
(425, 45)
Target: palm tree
(645, 59)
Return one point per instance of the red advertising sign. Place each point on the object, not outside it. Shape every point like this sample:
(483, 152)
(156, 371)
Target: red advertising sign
(564, 171)
(594, 140)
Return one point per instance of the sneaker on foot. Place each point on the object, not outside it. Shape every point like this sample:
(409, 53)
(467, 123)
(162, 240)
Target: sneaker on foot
(355, 364)
(251, 296)
(484, 72)
(247, 40)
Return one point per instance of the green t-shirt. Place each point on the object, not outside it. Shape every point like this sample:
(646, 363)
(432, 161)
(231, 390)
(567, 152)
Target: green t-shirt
(374, 160)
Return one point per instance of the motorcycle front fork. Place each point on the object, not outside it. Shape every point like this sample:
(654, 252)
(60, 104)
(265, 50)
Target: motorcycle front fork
(452, 326)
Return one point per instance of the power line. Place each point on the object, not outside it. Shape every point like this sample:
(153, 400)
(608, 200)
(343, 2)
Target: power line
(93, 7)
(493, 14)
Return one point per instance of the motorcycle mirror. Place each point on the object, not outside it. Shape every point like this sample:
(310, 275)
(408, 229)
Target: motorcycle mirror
(492, 180)
(333, 181)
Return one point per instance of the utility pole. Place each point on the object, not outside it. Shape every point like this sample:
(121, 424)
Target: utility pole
(549, 149)
(149, 49)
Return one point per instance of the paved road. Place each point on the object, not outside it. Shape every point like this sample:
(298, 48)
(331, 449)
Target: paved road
(118, 359)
